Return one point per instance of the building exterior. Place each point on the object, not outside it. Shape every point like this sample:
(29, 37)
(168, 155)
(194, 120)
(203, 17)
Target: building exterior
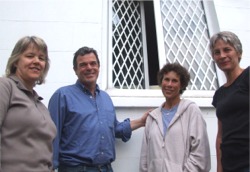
(133, 39)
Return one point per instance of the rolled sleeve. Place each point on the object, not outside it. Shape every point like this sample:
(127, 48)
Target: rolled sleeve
(123, 130)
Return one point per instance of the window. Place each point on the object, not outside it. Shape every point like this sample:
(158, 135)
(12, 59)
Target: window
(127, 44)
(186, 40)
(134, 41)
(148, 34)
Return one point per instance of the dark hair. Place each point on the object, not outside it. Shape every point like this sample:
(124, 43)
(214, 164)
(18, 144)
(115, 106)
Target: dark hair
(228, 37)
(179, 70)
(83, 51)
(21, 45)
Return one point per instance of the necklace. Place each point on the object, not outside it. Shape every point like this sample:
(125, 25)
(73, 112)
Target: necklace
(171, 110)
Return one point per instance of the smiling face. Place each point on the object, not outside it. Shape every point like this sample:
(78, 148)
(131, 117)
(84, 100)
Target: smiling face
(171, 86)
(87, 70)
(225, 56)
(30, 65)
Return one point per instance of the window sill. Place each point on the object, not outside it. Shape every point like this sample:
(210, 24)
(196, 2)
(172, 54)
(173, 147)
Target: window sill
(154, 98)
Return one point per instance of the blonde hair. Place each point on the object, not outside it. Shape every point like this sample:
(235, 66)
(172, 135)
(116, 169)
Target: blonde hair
(20, 47)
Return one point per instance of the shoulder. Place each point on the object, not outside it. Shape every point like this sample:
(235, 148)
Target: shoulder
(7, 88)
(247, 69)
(104, 95)
(246, 74)
(189, 107)
(219, 91)
(186, 103)
(154, 114)
(6, 82)
(65, 89)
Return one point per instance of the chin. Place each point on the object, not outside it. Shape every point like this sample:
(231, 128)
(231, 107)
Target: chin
(225, 68)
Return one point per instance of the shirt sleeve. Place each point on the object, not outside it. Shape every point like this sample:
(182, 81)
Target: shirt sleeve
(123, 130)
(5, 93)
(4, 106)
(57, 110)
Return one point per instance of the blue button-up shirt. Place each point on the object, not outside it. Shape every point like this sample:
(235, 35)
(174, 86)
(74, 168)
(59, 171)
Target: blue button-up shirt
(87, 126)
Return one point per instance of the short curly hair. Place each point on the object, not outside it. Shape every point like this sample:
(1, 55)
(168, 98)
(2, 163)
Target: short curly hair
(179, 70)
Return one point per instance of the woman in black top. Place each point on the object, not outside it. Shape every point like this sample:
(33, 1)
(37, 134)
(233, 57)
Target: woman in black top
(232, 104)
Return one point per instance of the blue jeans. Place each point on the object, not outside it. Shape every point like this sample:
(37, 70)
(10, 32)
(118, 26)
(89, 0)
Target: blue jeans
(85, 168)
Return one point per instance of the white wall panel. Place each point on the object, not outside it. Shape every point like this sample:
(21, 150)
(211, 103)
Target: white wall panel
(233, 16)
(51, 10)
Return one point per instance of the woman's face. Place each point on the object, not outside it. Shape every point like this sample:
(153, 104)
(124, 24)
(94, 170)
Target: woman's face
(31, 65)
(171, 85)
(225, 56)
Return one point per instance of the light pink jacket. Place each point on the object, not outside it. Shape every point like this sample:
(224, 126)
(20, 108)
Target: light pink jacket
(184, 148)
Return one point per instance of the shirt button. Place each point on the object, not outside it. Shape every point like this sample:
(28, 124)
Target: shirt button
(102, 137)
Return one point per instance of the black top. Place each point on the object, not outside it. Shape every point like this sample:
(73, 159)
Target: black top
(232, 109)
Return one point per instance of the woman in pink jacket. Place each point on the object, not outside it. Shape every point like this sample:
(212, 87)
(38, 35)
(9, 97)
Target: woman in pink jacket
(175, 136)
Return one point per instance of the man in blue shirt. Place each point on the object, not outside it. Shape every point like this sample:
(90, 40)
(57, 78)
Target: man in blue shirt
(86, 120)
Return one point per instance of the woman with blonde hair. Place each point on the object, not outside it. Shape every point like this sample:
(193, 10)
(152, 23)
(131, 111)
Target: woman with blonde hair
(26, 128)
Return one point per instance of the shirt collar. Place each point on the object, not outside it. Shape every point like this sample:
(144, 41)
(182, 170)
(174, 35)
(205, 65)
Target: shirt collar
(21, 86)
(81, 85)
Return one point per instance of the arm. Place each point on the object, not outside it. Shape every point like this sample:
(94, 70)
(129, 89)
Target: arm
(124, 129)
(140, 122)
(5, 93)
(198, 150)
(218, 143)
(143, 166)
(4, 106)
(57, 112)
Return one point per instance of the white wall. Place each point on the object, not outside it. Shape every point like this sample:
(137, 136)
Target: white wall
(234, 16)
(64, 25)
(67, 25)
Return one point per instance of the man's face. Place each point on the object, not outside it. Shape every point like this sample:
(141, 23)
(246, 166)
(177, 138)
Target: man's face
(87, 70)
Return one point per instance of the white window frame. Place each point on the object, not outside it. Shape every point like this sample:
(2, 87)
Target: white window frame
(149, 97)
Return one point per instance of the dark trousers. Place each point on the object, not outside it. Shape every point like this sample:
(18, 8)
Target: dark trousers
(86, 168)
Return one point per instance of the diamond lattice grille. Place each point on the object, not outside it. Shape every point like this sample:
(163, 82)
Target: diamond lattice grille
(127, 45)
(186, 41)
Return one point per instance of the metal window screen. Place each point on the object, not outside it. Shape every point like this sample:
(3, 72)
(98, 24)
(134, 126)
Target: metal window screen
(185, 37)
(127, 45)
(186, 41)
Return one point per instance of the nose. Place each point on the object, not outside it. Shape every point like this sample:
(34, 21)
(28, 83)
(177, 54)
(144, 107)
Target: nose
(169, 83)
(36, 59)
(222, 54)
(88, 66)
